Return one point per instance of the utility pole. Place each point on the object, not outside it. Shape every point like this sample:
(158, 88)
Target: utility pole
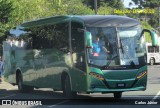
(159, 14)
(158, 28)
(95, 6)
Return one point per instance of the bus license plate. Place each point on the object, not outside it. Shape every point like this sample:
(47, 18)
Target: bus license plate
(121, 85)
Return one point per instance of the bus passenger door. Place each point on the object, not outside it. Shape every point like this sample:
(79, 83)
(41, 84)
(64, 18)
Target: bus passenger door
(78, 57)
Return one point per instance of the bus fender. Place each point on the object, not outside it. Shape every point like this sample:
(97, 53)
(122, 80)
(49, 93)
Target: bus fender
(63, 76)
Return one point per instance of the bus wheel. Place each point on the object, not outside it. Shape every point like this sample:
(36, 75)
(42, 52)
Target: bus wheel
(117, 95)
(21, 87)
(152, 61)
(67, 88)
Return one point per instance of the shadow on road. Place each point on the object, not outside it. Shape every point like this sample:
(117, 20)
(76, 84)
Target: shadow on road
(56, 98)
(41, 94)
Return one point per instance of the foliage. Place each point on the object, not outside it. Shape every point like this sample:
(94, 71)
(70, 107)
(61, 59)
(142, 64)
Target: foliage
(18, 11)
(147, 3)
(5, 14)
(74, 8)
(152, 4)
(31, 9)
(111, 3)
(5, 10)
(104, 10)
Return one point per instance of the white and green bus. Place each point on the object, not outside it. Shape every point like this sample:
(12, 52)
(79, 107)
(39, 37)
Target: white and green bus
(57, 52)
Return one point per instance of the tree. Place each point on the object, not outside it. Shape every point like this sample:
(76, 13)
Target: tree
(151, 4)
(111, 3)
(147, 3)
(104, 10)
(5, 11)
(31, 9)
(78, 8)
(5, 14)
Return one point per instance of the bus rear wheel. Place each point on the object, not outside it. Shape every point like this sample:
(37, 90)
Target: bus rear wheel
(67, 88)
(20, 83)
(21, 86)
(117, 95)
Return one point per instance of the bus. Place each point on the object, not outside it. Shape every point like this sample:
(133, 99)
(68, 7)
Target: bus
(153, 54)
(57, 52)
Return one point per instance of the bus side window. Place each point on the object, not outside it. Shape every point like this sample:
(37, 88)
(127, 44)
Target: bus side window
(157, 49)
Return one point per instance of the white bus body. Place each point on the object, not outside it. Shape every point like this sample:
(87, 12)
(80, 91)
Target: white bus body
(153, 54)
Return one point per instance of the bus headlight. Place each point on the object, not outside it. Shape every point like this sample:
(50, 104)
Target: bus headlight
(141, 74)
(96, 75)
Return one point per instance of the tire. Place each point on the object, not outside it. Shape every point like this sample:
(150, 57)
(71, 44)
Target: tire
(117, 95)
(21, 87)
(67, 89)
(152, 61)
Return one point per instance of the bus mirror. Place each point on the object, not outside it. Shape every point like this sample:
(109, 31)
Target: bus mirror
(88, 39)
(154, 38)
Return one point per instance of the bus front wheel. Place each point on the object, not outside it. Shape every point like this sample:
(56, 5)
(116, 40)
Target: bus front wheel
(67, 88)
(117, 95)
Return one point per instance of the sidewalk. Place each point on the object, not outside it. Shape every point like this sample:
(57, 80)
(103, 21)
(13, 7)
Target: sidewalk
(6, 86)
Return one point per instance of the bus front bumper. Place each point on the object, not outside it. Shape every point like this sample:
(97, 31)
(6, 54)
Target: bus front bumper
(142, 88)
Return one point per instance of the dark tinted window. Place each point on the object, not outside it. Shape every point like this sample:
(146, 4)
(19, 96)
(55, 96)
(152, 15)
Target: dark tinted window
(50, 36)
(41, 37)
(152, 49)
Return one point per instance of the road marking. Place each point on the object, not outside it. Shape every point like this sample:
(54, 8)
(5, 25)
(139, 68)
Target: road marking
(8, 96)
(155, 97)
(59, 103)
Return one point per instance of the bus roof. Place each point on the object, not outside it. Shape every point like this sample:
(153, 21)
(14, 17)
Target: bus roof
(87, 20)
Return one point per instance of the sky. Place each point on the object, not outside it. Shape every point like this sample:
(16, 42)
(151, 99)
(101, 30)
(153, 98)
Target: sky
(126, 3)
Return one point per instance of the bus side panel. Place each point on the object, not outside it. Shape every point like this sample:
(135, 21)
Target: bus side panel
(9, 74)
(54, 63)
(78, 80)
(24, 60)
(51, 63)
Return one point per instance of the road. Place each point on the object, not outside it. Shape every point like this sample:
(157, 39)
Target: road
(56, 99)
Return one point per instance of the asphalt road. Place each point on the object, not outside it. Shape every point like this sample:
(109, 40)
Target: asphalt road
(56, 99)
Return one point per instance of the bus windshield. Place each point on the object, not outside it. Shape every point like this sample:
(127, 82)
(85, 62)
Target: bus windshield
(117, 46)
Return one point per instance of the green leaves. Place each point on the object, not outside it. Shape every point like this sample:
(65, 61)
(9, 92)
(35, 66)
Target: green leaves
(5, 11)
(150, 4)
(102, 3)
(74, 8)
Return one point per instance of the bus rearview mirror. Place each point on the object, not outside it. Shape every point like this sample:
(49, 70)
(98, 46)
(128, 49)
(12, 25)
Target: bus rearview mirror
(154, 38)
(88, 39)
